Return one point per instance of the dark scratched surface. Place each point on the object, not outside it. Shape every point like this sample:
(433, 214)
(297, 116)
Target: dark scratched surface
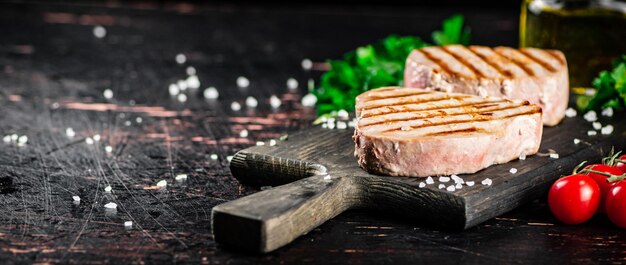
(53, 72)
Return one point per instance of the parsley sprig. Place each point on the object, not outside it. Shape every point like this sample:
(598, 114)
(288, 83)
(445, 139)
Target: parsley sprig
(377, 65)
(611, 89)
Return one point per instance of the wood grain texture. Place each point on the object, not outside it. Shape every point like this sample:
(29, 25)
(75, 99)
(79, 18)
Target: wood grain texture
(329, 153)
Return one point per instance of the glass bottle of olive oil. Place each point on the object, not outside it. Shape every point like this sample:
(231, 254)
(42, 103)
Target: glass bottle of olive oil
(591, 33)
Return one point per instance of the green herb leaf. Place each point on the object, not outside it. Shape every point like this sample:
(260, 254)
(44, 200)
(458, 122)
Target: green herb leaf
(376, 65)
(611, 89)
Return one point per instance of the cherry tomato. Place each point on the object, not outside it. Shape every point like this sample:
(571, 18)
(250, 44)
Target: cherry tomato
(621, 165)
(616, 204)
(601, 180)
(574, 199)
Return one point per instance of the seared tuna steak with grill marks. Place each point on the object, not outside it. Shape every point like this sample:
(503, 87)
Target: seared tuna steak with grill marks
(417, 132)
(539, 76)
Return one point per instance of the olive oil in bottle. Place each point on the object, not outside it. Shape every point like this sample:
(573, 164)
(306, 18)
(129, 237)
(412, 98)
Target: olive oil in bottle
(591, 33)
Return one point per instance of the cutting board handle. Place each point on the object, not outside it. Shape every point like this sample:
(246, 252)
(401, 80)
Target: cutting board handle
(272, 218)
(261, 170)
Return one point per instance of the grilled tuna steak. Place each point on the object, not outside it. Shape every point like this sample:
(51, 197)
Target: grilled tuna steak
(539, 76)
(417, 132)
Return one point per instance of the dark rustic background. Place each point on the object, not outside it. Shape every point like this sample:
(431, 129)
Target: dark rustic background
(53, 72)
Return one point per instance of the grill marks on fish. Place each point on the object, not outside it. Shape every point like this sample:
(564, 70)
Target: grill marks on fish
(430, 116)
(480, 62)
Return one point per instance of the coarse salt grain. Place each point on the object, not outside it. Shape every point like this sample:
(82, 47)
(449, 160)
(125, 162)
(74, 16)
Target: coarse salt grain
(182, 97)
(273, 142)
(307, 64)
(608, 112)
(7, 138)
(275, 102)
(108, 93)
(127, 123)
(111, 205)
(422, 184)
(213, 156)
(108, 149)
(469, 183)
(292, 83)
(331, 124)
(128, 224)
(309, 100)
(570, 112)
(342, 125)
(14, 137)
(108, 189)
(596, 125)
(252, 102)
(554, 156)
(592, 133)
(259, 143)
(139, 119)
(243, 82)
(193, 82)
(190, 70)
(522, 156)
(327, 177)
(430, 180)
(173, 89)
(70, 132)
(243, 133)
(590, 116)
(451, 188)
(513, 170)
(181, 58)
(96, 137)
(99, 31)
(22, 139)
(180, 177)
(458, 186)
(343, 114)
(162, 183)
(211, 93)
(441, 186)
(235, 106)
(88, 140)
(444, 179)
(229, 158)
(76, 198)
(182, 85)
(351, 124)
(576, 141)
(487, 182)
(606, 130)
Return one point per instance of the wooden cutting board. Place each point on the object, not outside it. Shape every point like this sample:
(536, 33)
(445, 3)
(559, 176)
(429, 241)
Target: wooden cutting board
(320, 179)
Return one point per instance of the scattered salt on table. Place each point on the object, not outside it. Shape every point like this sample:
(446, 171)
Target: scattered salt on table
(343, 114)
(107, 189)
(99, 31)
(173, 89)
(235, 106)
(128, 224)
(214, 156)
(108, 149)
(327, 177)
(554, 155)
(110, 205)
(180, 177)
(96, 137)
(451, 188)
(76, 198)
(252, 102)
(444, 179)
(259, 143)
(592, 133)
(22, 139)
(190, 70)
(243, 133)
(513, 170)
(606, 130)
(181, 58)
(341, 125)
(211, 93)
(576, 141)
(309, 100)
(273, 142)
(7, 138)
(292, 83)
(139, 119)
(570, 112)
(161, 183)
(275, 102)
(88, 140)
(441, 186)
(182, 97)
(469, 183)
(229, 158)
(193, 82)
(487, 182)
(591, 116)
(430, 180)
(422, 184)
(108, 93)
(243, 82)
(596, 125)
(458, 186)
(307, 64)
(522, 156)
(608, 112)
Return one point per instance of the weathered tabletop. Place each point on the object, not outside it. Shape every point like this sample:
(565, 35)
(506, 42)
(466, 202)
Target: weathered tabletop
(53, 72)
